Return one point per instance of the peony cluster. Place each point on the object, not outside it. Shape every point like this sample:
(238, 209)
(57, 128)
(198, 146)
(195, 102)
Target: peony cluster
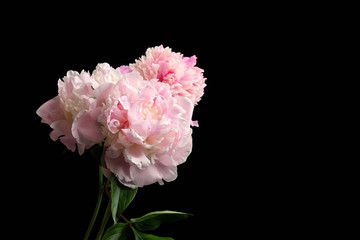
(141, 112)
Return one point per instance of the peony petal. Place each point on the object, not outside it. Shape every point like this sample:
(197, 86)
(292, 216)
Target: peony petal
(102, 93)
(62, 130)
(183, 149)
(157, 134)
(166, 159)
(123, 69)
(187, 105)
(194, 123)
(122, 140)
(119, 167)
(185, 120)
(190, 61)
(86, 128)
(51, 111)
(135, 155)
(69, 142)
(133, 136)
(153, 173)
(176, 111)
(81, 148)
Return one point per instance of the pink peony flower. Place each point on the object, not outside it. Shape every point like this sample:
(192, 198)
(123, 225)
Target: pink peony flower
(75, 94)
(145, 124)
(147, 130)
(172, 68)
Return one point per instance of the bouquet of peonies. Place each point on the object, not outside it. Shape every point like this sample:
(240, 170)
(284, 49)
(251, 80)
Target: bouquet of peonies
(136, 120)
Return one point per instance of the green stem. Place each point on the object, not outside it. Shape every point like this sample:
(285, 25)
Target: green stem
(98, 204)
(104, 221)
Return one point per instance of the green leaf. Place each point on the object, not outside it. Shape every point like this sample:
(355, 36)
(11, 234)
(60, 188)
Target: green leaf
(152, 221)
(121, 197)
(144, 236)
(119, 231)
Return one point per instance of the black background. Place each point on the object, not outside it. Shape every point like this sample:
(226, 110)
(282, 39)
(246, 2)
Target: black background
(61, 189)
(233, 181)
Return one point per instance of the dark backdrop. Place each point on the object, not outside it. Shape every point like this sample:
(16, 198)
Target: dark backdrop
(231, 181)
(62, 187)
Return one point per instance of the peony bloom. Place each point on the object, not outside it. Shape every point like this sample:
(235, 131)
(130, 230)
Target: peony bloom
(138, 114)
(147, 130)
(172, 68)
(104, 73)
(75, 94)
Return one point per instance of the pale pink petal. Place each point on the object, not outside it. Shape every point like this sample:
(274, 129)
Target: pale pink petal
(190, 61)
(166, 159)
(176, 111)
(194, 123)
(102, 93)
(69, 142)
(51, 111)
(153, 173)
(187, 105)
(116, 164)
(124, 69)
(86, 129)
(133, 136)
(81, 148)
(62, 130)
(123, 140)
(183, 149)
(159, 135)
(178, 154)
(135, 155)
(185, 120)
(163, 137)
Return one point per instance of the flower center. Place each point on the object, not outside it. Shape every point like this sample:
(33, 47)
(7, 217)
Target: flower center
(168, 78)
(152, 109)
